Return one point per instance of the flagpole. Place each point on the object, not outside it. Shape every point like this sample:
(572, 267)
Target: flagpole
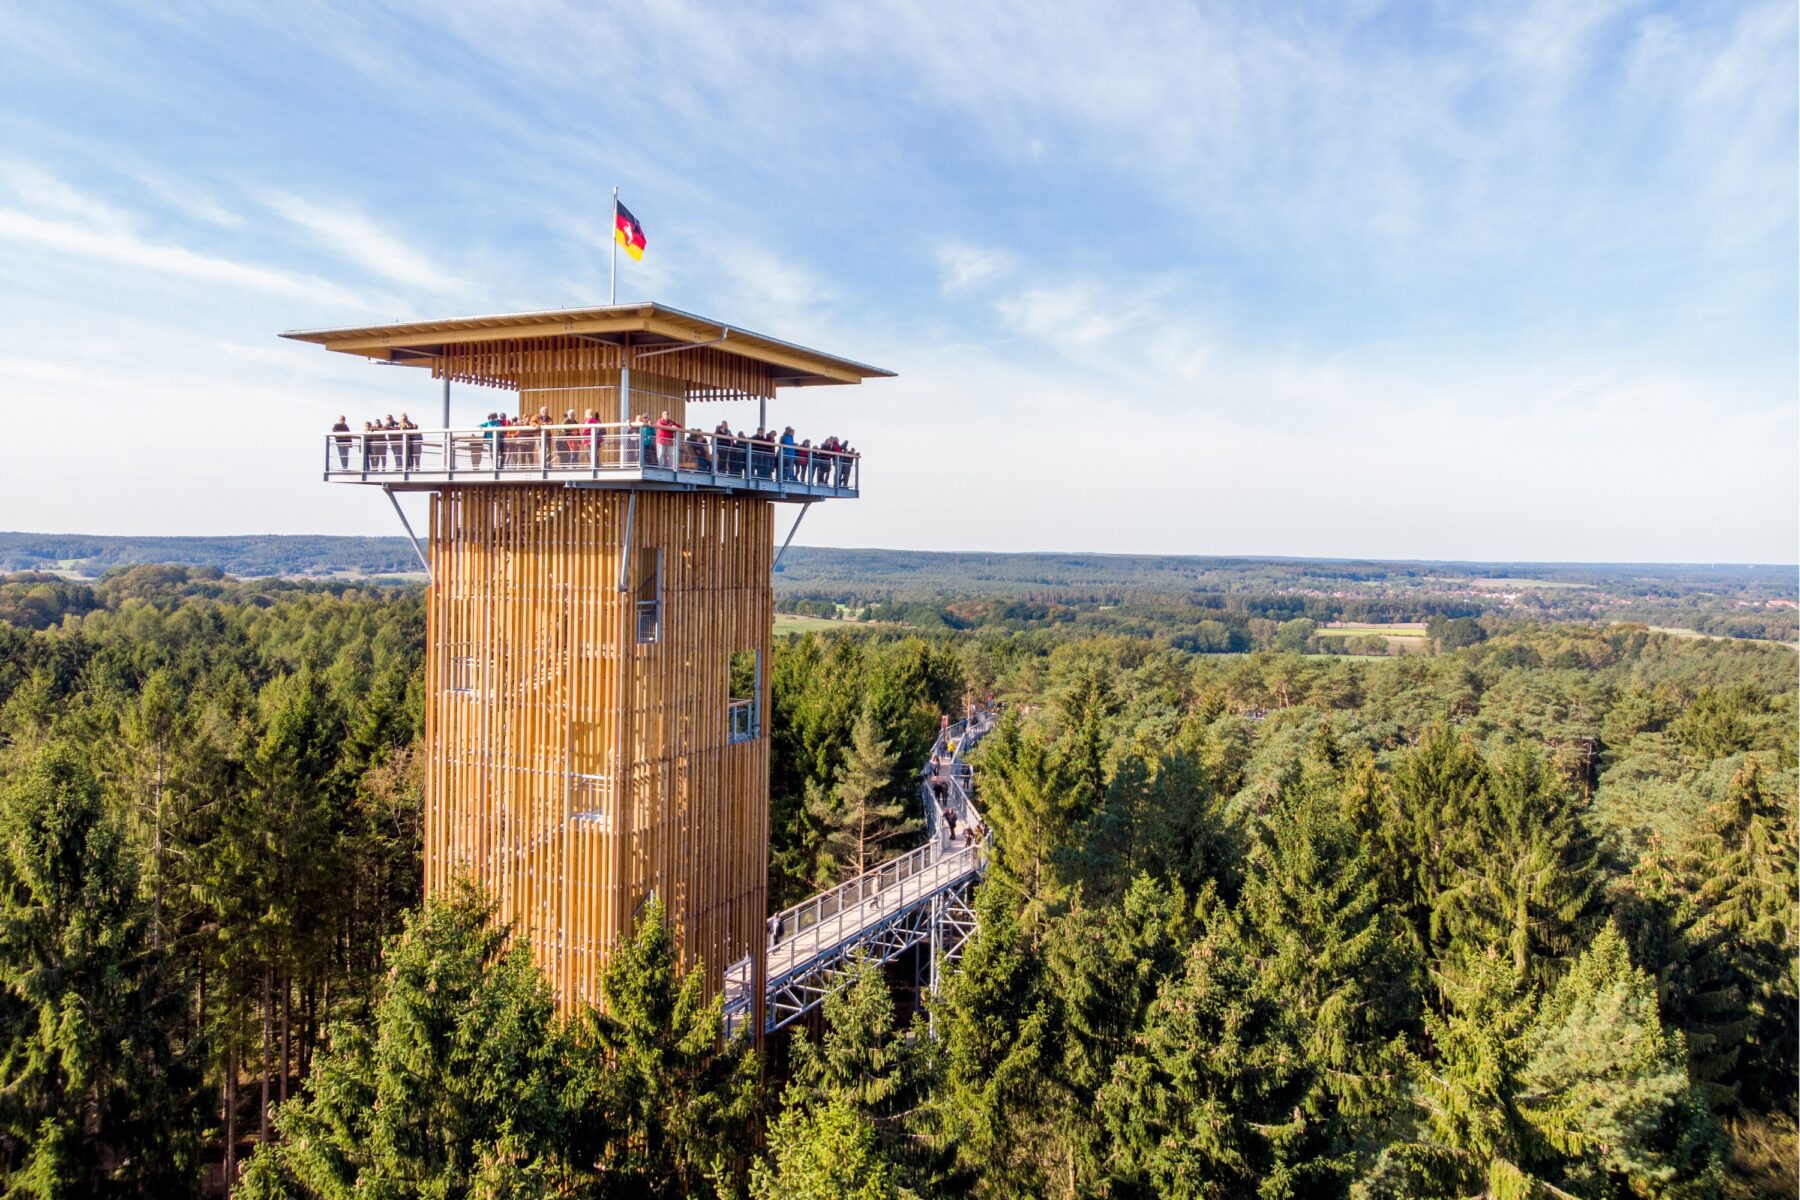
(613, 283)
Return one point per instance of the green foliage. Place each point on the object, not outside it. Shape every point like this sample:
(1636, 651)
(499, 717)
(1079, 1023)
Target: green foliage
(861, 812)
(683, 1098)
(94, 1099)
(1263, 924)
(825, 1152)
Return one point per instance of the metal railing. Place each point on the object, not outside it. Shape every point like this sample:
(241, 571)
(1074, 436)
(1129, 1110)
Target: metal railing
(882, 911)
(517, 452)
(649, 620)
(740, 720)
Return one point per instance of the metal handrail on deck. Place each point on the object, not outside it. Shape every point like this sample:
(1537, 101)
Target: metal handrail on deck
(517, 452)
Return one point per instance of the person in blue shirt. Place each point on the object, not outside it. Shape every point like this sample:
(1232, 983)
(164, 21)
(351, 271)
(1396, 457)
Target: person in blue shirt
(787, 454)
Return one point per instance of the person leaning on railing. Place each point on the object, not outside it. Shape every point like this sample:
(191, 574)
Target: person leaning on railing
(667, 453)
(593, 434)
(374, 446)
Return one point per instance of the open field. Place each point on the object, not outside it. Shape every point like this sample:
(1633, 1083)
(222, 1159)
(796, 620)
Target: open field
(1502, 584)
(1398, 629)
(796, 623)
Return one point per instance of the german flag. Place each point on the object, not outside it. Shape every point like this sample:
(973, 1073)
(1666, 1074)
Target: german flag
(627, 232)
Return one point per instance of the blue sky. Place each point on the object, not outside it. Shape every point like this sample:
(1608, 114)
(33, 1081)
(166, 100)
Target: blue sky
(1481, 281)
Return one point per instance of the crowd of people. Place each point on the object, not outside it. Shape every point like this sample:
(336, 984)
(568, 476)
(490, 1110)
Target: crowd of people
(387, 444)
(507, 442)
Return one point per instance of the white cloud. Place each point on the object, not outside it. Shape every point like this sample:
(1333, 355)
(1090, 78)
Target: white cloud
(127, 250)
(965, 267)
(362, 242)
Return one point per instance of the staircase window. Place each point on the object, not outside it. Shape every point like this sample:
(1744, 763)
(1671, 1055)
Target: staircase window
(742, 721)
(649, 594)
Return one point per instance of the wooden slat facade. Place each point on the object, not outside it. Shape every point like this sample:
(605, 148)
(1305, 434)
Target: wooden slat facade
(566, 362)
(574, 770)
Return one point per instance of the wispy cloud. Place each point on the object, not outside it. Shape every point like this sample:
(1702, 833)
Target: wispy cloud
(965, 267)
(126, 250)
(1397, 279)
(365, 244)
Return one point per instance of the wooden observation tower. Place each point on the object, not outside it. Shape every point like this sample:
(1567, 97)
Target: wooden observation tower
(600, 617)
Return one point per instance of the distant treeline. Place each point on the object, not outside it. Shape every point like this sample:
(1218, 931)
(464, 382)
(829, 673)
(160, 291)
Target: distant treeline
(270, 554)
(1208, 603)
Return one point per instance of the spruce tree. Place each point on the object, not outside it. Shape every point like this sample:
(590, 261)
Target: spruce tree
(1027, 793)
(1327, 959)
(1424, 837)
(1107, 964)
(1527, 873)
(465, 1075)
(826, 1151)
(1607, 1086)
(861, 815)
(1205, 1102)
(683, 1099)
(996, 1021)
(93, 1098)
(1719, 917)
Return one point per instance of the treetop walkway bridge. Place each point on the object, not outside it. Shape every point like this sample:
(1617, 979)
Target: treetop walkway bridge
(921, 898)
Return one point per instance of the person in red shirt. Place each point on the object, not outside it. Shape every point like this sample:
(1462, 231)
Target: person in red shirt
(666, 449)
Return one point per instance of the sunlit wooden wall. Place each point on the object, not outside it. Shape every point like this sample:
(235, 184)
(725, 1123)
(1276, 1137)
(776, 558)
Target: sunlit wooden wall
(574, 770)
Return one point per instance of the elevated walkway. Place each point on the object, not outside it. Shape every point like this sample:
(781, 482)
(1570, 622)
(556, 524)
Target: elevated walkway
(921, 898)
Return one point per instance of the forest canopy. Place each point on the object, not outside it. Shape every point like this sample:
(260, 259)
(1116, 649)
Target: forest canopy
(1509, 913)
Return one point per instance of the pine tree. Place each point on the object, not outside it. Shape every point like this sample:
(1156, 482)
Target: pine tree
(464, 1075)
(824, 1152)
(683, 1099)
(862, 814)
(1527, 876)
(93, 1098)
(1607, 1086)
(996, 1021)
(1328, 961)
(1027, 791)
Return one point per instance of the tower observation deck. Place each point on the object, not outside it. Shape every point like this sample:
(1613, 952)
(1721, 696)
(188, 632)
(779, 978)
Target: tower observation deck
(600, 615)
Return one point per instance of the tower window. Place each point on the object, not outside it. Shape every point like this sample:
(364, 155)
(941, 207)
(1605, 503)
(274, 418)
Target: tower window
(742, 721)
(649, 594)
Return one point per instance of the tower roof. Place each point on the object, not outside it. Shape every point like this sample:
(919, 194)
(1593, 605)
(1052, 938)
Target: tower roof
(645, 326)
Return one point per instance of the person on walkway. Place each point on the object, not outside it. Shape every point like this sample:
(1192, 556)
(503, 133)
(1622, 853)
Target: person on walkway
(667, 429)
(374, 447)
(847, 455)
(787, 454)
(696, 444)
(411, 441)
(777, 927)
(569, 441)
(758, 455)
(343, 443)
(392, 449)
(593, 435)
(485, 442)
(646, 435)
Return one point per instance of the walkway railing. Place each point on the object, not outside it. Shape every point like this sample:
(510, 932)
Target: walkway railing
(520, 453)
(919, 897)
